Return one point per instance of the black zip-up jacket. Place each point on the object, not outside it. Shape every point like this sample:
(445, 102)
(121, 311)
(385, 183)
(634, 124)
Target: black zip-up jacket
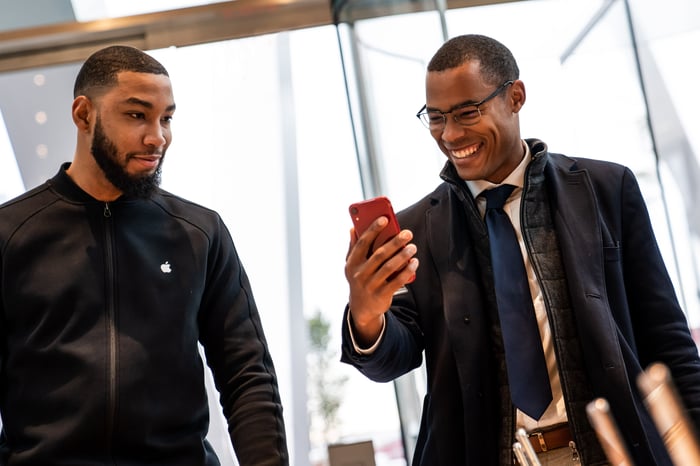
(102, 307)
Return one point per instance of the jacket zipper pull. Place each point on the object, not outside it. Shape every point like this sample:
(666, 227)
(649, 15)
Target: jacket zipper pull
(106, 212)
(575, 458)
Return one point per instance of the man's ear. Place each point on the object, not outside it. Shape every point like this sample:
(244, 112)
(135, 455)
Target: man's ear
(82, 110)
(517, 95)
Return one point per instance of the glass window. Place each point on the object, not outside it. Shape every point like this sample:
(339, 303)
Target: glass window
(11, 183)
(666, 36)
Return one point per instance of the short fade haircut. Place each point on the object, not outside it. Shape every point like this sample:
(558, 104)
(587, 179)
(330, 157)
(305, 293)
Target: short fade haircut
(497, 62)
(102, 68)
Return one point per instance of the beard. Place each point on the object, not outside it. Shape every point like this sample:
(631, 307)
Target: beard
(105, 153)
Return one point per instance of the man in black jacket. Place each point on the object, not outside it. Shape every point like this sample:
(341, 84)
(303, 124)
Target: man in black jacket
(107, 286)
(605, 307)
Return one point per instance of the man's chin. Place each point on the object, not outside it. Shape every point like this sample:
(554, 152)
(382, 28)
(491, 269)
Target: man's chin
(141, 187)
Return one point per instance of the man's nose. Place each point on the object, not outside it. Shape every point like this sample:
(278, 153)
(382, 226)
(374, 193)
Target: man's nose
(156, 136)
(452, 129)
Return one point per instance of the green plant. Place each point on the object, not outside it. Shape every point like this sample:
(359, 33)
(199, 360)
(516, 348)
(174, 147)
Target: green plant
(325, 387)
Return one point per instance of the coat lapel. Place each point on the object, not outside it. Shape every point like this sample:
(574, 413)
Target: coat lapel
(578, 227)
(583, 239)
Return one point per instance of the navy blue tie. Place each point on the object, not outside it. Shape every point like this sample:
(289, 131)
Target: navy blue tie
(527, 371)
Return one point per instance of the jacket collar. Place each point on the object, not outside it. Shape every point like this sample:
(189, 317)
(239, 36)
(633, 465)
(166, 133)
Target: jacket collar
(62, 184)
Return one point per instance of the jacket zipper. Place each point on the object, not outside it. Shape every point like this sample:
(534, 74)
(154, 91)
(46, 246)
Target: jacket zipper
(111, 326)
(547, 307)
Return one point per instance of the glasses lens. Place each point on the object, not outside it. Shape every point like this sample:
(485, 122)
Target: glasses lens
(467, 115)
(433, 120)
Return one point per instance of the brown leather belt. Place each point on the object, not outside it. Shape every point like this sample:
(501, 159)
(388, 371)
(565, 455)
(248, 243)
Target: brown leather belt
(558, 437)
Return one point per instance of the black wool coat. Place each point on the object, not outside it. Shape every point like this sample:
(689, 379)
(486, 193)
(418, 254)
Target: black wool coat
(626, 313)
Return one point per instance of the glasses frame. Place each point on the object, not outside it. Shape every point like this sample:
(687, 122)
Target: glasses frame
(424, 111)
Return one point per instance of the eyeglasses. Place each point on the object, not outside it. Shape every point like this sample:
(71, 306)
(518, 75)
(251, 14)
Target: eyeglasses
(466, 114)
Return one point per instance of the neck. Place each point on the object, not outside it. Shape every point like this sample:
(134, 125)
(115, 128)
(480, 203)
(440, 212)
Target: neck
(92, 181)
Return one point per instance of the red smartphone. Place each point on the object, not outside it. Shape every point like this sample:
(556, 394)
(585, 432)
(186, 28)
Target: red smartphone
(365, 212)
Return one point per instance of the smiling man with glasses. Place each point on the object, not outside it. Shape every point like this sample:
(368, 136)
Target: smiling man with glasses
(540, 286)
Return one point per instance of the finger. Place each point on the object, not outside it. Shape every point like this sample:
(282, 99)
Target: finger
(393, 247)
(351, 244)
(398, 262)
(365, 240)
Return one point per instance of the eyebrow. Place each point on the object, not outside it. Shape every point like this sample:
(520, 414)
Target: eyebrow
(147, 104)
(466, 103)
